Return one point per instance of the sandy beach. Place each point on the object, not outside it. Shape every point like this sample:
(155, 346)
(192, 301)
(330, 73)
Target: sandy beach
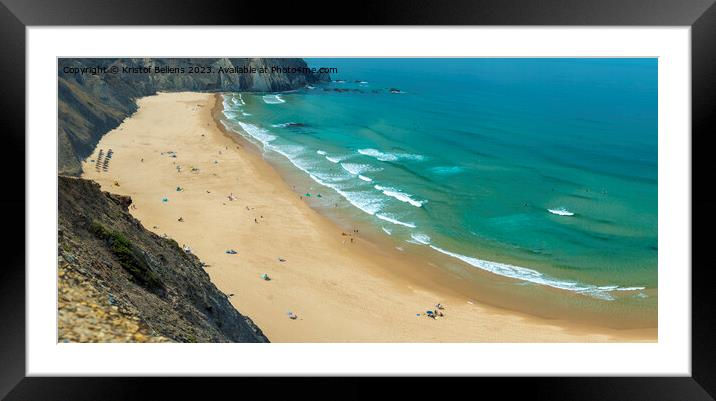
(341, 287)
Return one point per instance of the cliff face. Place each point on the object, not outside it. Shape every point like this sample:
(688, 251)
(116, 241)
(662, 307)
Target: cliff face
(133, 285)
(89, 105)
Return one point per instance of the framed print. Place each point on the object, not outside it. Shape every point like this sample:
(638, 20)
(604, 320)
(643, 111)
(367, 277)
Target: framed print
(471, 190)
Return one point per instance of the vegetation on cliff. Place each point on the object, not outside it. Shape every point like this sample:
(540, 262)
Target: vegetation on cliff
(120, 282)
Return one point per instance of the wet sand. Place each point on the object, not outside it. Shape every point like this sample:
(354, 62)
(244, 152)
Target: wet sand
(341, 290)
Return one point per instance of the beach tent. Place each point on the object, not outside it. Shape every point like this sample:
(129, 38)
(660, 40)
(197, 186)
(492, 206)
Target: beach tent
(307, 194)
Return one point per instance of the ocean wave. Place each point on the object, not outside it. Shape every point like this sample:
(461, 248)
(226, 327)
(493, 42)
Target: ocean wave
(321, 152)
(533, 276)
(364, 178)
(421, 238)
(561, 212)
(301, 159)
(334, 159)
(445, 170)
(389, 157)
(356, 168)
(386, 230)
(401, 196)
(291, 152)
(364, 201)
(273, 99)
(238, 101)
(225, 101)
(257, 133)
(231, 115)
(393, 220)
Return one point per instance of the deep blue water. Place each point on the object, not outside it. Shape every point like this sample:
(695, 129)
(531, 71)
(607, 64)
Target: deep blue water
(543, 170)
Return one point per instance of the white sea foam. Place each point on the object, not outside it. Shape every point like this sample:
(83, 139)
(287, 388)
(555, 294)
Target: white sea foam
(231, 115)
(392, 219)
(421, 238)
(387, 231)
(356, 168)
(321, 152)
(401, 196)
(257, 133)
(533, 276)
(387, 157)
(245, 113)
(225, 101)
(273, 99)
(291, 152)
(561, 212)
(364, 178)
(364, 201)
(334, 159)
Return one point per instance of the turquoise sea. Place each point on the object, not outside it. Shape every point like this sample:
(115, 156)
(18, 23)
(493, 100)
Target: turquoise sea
(542, 171)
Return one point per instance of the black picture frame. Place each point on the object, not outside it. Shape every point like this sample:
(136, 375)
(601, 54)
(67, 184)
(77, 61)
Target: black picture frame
(16, 15)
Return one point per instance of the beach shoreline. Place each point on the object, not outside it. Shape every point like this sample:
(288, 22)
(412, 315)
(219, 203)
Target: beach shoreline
(342, 287)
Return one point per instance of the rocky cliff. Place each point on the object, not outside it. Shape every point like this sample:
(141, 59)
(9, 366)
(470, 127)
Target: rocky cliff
(95, 95)
(120, 282)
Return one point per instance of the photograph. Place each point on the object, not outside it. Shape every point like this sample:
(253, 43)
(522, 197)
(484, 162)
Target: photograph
(357, 200)
(499, 195)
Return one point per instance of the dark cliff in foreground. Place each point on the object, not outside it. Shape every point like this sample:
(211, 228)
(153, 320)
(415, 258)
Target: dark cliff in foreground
(95, 95)
(120, 282)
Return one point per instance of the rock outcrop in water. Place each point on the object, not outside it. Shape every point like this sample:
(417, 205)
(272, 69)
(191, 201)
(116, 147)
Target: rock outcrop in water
(121, 283)
(95, 95)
